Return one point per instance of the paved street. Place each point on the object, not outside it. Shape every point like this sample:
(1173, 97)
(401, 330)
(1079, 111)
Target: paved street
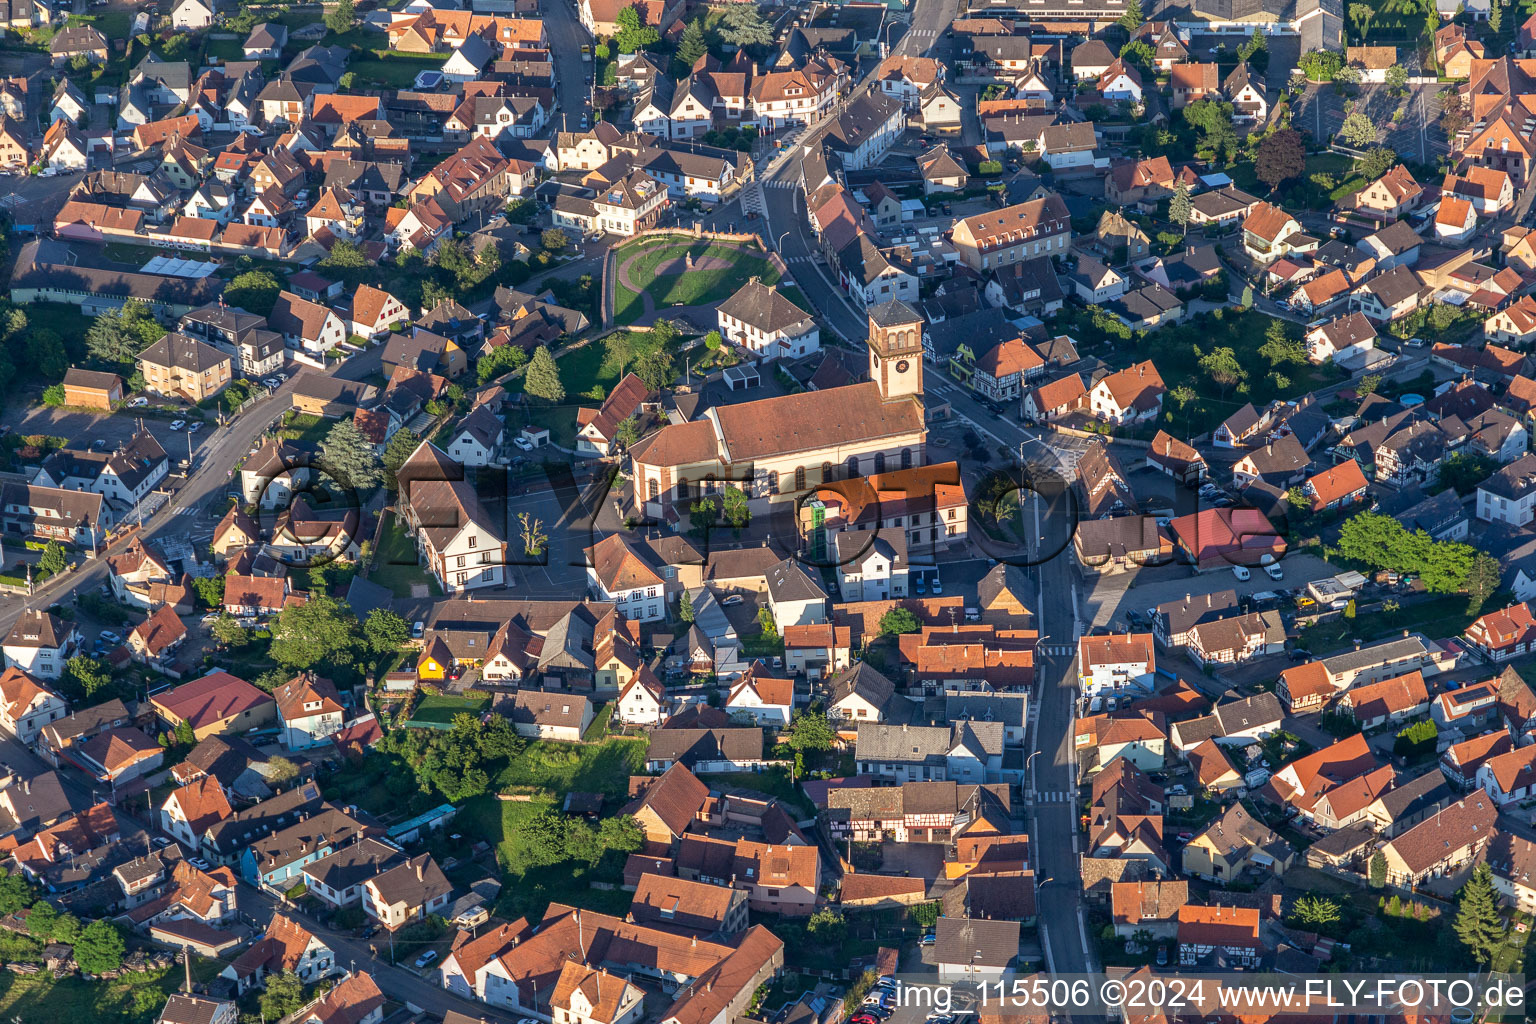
(566, 38)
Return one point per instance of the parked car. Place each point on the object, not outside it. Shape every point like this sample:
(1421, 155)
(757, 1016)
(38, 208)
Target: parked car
(938, 584)
(194, 426)
(732, 601)
(523, 443)
(930, 939)
(1241, 572)
(426, 958)
(418, 630)
(110, 637)
(178, 424)
(1274, 571)
(137, 402)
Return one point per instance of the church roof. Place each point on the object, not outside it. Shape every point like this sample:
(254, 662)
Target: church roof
(814, 420)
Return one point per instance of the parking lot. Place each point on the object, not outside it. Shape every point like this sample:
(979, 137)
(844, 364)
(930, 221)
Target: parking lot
(84, 429)
(1321, 112)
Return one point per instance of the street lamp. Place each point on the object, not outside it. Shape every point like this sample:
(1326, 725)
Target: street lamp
(779, 245)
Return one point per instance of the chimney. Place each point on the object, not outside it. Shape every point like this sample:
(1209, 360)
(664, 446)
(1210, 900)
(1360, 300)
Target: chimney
(419, 865)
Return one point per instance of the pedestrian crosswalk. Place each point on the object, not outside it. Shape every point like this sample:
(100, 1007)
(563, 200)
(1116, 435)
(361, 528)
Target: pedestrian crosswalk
(797, 259)
(781, 184)
(1051, 796)
(190, 510)
(1057, 650)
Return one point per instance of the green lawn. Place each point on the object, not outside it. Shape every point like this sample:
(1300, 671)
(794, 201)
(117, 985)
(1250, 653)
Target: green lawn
(386, 69)
(1394, 21)
(304, 427)
(394, 563)
(113, 24)
(440, 708)
(560, 768)
(690, 288)
(225, 49)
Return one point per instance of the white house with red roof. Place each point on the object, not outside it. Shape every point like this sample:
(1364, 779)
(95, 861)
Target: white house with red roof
(375, 311)
(1505, 634)
(1509, 776)
(309, 711)
(26, 705)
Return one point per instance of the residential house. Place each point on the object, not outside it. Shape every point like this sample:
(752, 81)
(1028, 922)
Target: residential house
(40, 644)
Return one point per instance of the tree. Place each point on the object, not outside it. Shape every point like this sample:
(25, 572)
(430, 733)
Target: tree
(100, 948)
(542, 379)
(1281, 157)
(1297, 498)
(500, 360)
(88, 674)
(399, 448)
(283, 995)
(1378, 870)
(226, 629)
(554, 239)
(713, 341)
(701, 515)
(46, 354)
(632, 34)
(111, 338)
(1357, 131)
(15, 893)
(66, 929)
(1378, 160)
(1464, 470)
(53, 559)
(1482, 581)
(1361, 15)
(685, 608)
(347, 456)
(210, 590)
(320, 630)
(810, 732)
(1495, 16)
(1320, 65)
(1478, 924)
(827, 926)
(1132, 19)
(1139, 53)
(347, 259)
(385, 631)
(340, 17)
(532, 532)
(40, 921)
(743, 25)
(627, 432)
(898, 621)
(1316, 912)
(733, 503)
(656, 369)
(689, 48)
(1221, 365)
(1397, 79)
(254, 291)
(1179, 209)
(1279, 347)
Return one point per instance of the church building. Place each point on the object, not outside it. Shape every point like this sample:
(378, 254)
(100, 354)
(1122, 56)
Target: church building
(776, 448)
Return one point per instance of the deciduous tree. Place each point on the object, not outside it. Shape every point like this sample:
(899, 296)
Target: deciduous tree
(340, 16)
(100, 948)
(1357, 131)
(399, 448)
(1222, 366)
(898, 621)
(1281, 157)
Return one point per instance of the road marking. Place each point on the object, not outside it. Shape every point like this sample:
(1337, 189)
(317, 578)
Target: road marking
(188, 511)
(1058, 650)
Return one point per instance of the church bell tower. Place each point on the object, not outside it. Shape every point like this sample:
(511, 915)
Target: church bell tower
(896, 350)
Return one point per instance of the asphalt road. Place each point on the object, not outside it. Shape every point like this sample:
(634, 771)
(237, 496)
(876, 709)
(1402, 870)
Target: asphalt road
(786, 223)
(566, 38)
(221, 449)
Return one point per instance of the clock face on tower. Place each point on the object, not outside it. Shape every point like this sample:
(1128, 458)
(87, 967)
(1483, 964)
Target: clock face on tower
(901, 366)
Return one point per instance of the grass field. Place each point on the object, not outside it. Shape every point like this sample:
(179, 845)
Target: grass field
(561, 768)
(304, 427)
(1173, 351)
(391, 70)
(691, 288)
(394, 563)
(1440, 616)
(441, 708)
(531, 887)
(39, 997)
(601, 364)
